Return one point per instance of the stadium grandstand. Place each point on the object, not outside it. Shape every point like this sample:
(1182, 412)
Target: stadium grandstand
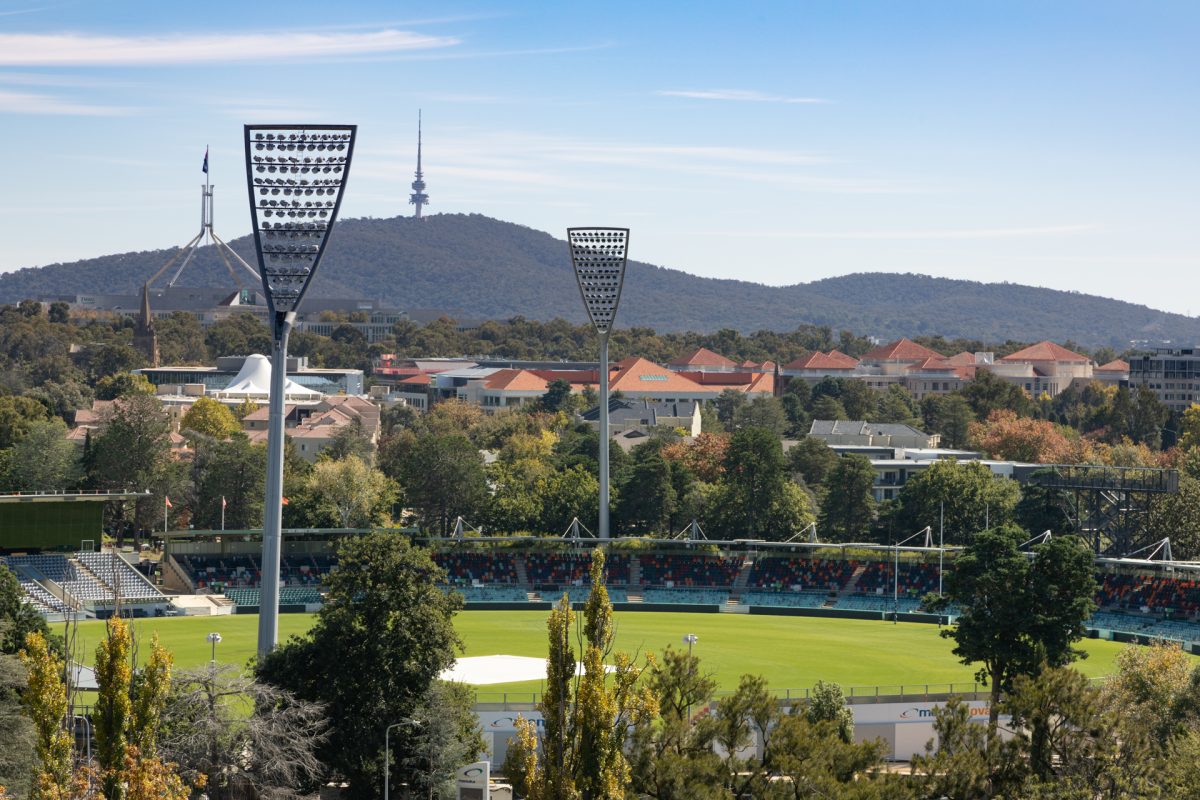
(1138, 600)
(50, 541)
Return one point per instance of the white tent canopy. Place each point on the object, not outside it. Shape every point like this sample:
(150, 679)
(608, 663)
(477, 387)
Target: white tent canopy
(253, 382)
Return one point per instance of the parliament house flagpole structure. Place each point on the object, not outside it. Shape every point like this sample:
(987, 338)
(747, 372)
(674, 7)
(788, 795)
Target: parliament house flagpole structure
(598, 256)
(296, 175)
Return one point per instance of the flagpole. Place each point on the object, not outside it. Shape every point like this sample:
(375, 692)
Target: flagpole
(222, 512)
(166, 505)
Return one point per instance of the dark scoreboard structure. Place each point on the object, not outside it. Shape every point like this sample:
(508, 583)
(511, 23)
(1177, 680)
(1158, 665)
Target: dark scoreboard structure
(71, 521)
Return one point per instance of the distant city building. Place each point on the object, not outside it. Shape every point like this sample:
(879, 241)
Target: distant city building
(313, 428)
(1172, 373)
(200, 381)
(627, 415)
(871, 434)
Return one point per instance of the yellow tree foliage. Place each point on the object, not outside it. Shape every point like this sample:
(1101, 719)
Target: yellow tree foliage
(146, 777)
(153, 687)
(110, 715)
(45, 701)
(210, 418)
(1189, 427)
(584, 739)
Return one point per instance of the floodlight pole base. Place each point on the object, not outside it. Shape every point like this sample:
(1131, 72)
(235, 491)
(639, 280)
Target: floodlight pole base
(602, 530)
(268, 593)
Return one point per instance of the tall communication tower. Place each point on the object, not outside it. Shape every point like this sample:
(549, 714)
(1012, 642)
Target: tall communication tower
(418, 197)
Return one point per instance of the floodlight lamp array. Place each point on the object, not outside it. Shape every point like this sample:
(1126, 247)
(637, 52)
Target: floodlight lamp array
(598, 256)
(294, 200)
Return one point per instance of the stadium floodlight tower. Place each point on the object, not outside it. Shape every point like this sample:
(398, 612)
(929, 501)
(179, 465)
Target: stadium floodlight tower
(296, 175)
(599, 256)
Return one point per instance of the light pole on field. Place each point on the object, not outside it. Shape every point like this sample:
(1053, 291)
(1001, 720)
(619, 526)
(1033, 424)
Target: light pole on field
(214, 639)
(599, 256)
(296, 175)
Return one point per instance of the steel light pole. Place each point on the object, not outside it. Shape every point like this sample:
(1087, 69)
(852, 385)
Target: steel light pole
(296, 175)
(214, 639)
(598, 256)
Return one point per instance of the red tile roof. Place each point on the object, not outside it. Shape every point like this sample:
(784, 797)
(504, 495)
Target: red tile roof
(702, 357)
(1045, 351)
(417, 380)
(515, 380)
(901, 350)
(1114, 366)
(639, 375)
(963, 359)
(831, 360)
(933, 365)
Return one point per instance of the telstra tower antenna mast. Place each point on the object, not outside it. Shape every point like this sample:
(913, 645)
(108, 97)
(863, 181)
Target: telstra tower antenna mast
(206, 236)
(418, 197)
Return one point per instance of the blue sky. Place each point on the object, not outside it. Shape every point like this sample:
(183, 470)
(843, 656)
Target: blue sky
(1050, 143)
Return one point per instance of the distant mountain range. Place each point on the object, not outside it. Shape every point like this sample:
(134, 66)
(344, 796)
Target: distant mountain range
(495, 269)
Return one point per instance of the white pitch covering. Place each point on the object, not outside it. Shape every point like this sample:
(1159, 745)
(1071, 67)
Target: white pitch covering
(484, 670)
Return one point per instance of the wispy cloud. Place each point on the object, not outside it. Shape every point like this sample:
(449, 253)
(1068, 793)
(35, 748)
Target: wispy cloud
(738, 95)
(261, 109)
(27, 103)
(916, 235)
(79, 49)
(67, 80)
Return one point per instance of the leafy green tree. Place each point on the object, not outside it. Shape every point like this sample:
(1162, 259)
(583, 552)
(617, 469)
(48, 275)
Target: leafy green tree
(441, 477)
(111, 359)
(181, 339)
(761, 412)
(124, 384)
(132, 452)
(848, 508)
(859, 399)
(987, 393)
(1041, 509)
(19, 758)
(812, 459)
(1019, 613)
(755, 475)
(350, 440)
(973, 498)
(647, 499)
(237, 335)
(350, 494)
(949, 415)
(232, 471)
(210, 418)
(18, 619)
(672, 756)
(728, 404)
(563, 495)
(897, 405)
(798, 419)
(44, 460)
(827, 703)
(828, 408)
(17, 414)
(385, 586)
(60, 312)
(557, 396)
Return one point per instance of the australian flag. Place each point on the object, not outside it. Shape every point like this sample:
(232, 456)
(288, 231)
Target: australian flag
(204, 169)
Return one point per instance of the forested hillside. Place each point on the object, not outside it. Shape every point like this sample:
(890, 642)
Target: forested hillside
(495, 269)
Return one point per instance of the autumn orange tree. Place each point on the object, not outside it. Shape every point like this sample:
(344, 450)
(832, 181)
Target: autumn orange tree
(1004, 435)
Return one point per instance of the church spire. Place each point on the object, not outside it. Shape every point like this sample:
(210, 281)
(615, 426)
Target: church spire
(418, 197)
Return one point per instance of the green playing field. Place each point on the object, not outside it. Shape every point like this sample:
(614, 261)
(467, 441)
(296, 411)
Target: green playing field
(791, 652)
